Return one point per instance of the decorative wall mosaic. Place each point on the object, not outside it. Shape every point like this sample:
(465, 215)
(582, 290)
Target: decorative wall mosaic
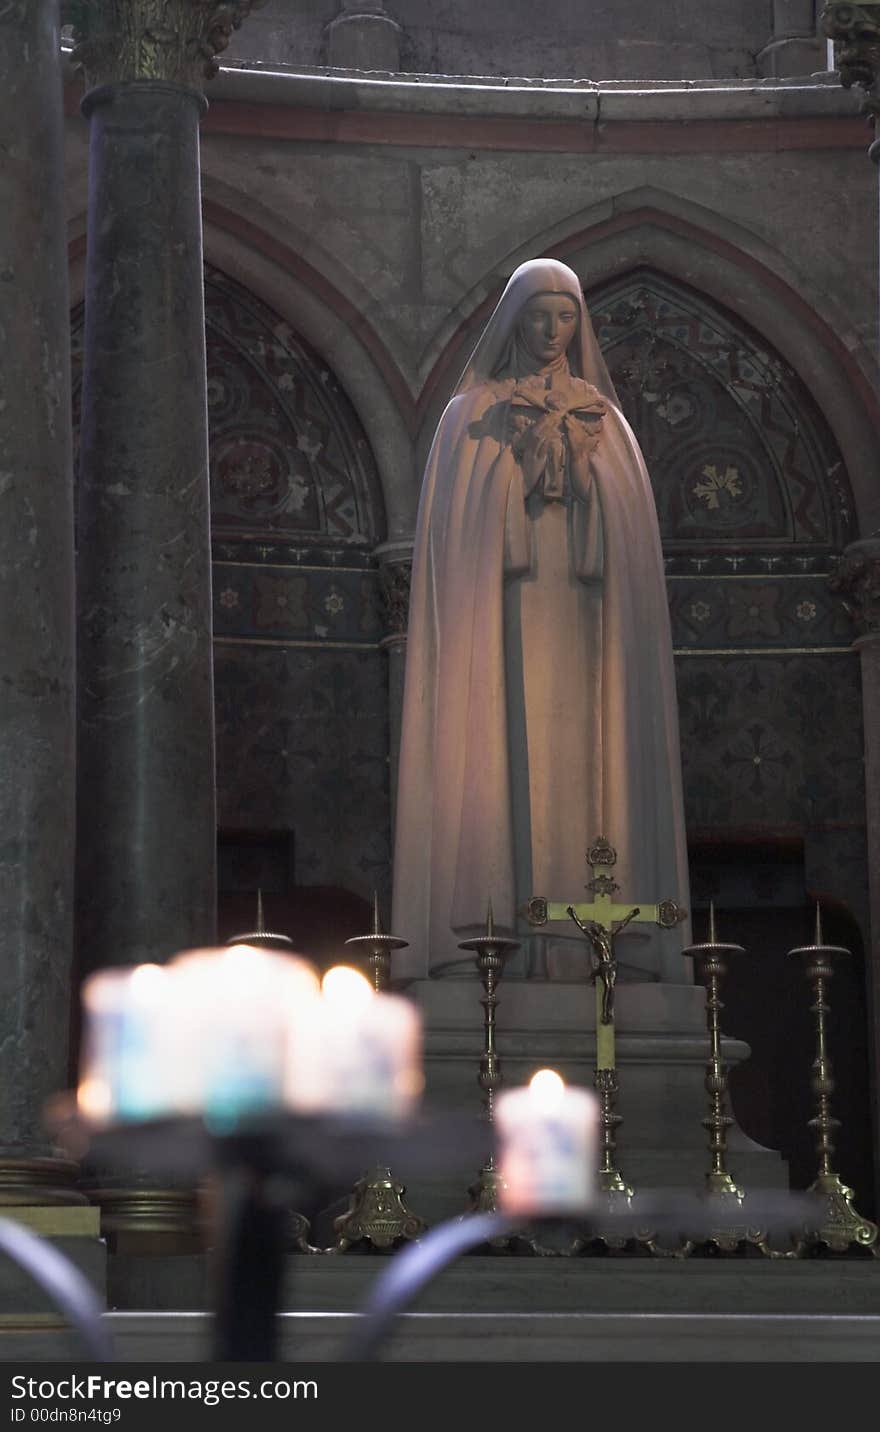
(771, 741)
(302, 745)
(326, 605)
(288, 455)
(736, 447)
(781, 611)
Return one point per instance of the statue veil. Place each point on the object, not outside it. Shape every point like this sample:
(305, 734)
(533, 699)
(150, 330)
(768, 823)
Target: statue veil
(496, 354)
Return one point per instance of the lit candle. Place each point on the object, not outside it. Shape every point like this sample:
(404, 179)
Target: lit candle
(124, 1067)
(359, 1052)
(234, 1012)
(547, 1147)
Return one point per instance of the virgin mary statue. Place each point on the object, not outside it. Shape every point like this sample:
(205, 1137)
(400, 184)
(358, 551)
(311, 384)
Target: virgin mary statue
(539, 704)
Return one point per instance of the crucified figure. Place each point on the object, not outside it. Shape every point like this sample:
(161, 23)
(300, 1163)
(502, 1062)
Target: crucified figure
(602, 941)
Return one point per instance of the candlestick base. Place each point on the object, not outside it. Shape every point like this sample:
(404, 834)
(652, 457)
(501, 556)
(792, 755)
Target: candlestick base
(484, 1198)
(377, 1214)
(841, 1226)
(731, 1233)
(296, 1233)
(620, 1202)
(483, 1193)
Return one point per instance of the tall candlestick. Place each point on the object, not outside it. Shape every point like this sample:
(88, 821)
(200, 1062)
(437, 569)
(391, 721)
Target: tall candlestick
(377, 947)
(725, 1196)
(840, 1226)
(377, 1212)
(491, 951)
(261, 937)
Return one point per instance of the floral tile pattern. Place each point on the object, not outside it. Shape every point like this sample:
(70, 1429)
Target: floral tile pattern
(772, 741)
(302, 745)
(736, 446)
(786, 611)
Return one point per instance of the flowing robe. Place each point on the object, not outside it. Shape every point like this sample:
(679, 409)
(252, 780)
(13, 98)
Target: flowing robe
(539, 706)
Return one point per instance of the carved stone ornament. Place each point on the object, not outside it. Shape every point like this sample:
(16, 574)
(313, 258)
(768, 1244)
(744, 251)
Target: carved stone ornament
(857, 580)
(175, 41)
(395, 578)
(855, 30)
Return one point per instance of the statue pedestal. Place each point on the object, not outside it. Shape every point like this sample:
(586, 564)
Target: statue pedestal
(662, 1049)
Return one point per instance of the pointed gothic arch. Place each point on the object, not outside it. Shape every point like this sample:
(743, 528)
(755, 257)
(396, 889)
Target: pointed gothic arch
(737, 448)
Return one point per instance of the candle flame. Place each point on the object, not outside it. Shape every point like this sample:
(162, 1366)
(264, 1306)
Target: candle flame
(342, 983)
(547, 1086)
(147, 979)
(94, 1099)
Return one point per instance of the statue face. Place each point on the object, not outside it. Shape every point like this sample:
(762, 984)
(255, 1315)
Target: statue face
(547, 325)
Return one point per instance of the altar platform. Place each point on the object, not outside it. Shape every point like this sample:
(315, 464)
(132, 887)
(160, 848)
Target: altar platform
(497, 1308)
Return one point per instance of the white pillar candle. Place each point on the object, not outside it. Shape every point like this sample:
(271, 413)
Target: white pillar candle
(359, 1054)
(234, 1008)
(547, 1136)
(124, 1066)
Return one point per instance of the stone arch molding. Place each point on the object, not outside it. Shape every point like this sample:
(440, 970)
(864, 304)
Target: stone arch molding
(331, 318)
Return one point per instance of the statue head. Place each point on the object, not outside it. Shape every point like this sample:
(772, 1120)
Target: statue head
(547, 324)
(540, 316)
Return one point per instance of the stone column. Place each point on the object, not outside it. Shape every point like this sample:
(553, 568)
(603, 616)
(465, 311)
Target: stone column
(857, 579)
(363, 36)
(395, 572)
(146, 883)
(36, 601)
(794, 47)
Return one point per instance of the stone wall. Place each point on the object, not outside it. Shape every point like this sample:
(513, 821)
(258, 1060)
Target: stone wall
(601, 39)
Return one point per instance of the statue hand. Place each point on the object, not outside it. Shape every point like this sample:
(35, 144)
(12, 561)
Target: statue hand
(534, 447)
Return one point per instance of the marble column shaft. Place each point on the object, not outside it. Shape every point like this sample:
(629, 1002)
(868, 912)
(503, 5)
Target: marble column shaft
(146, 802)
(36, 592)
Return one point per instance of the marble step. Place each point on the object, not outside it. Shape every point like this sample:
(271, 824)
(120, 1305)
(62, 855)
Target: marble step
(495, 1337)
(510, 1284)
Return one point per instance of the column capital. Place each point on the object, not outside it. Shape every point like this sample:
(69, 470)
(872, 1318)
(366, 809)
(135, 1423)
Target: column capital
(395, 574)
(857, 580)
(175, 41)
(855, 30)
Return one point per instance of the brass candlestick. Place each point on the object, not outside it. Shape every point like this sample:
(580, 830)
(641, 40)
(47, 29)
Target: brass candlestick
(840, 1226)
(377, 1213)
(724, 1196)
(491, 951)
(378, 949)
(260, 937)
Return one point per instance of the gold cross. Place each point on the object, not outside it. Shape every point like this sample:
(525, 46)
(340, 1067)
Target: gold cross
(601, 919)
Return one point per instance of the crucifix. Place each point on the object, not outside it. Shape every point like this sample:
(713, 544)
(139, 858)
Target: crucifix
(601, 920)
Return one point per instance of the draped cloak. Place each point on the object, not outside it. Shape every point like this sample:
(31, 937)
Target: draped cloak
(539, 702)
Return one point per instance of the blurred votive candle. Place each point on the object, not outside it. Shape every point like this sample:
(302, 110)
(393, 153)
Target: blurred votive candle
(124, 1067)
(237, 1008)
(359, 1053)
(548, 1135)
